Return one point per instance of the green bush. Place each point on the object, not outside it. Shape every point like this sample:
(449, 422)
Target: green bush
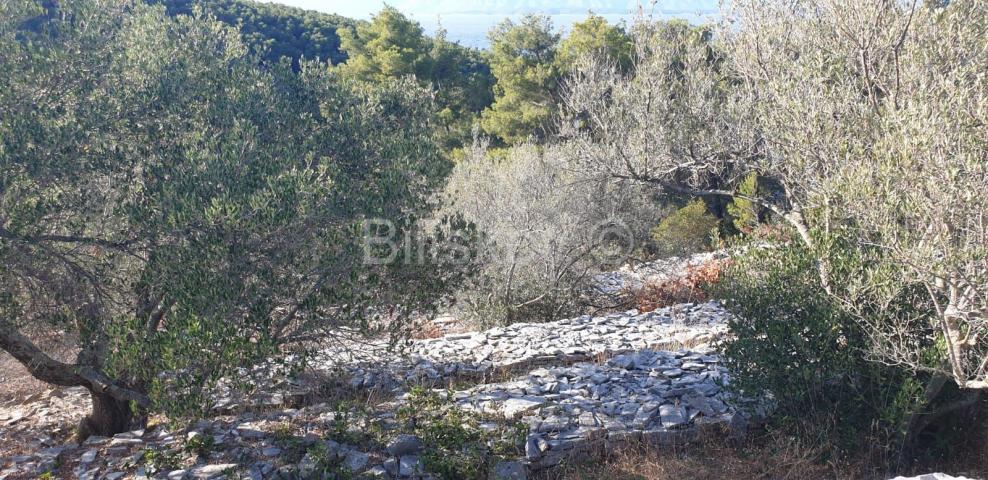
(794, 340)
(686, 231)
(743, 212)
(327, 464)
(157, 461)
(200, 445)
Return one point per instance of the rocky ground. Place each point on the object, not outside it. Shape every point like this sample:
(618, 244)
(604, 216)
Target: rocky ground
(504, 403)
(563, 389)
(633, 276)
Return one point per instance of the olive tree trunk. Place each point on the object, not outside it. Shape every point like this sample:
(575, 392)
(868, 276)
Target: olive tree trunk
(109, 416)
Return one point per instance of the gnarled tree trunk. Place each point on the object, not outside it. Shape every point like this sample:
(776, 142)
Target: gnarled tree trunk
(109, 416)
(112, 412)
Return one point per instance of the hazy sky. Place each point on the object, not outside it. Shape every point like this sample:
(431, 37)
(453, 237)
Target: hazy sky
(364, 8)
(468, 21)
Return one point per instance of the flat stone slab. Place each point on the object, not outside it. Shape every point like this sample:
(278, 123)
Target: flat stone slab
(513, 407)
(932, 476)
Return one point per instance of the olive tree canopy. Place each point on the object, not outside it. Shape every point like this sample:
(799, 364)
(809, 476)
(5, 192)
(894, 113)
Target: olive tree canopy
(174, 211)
(869, 118)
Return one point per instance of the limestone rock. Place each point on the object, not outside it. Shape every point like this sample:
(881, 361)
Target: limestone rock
(209, 472)
(355, 460)
(409, 465)
(932, 476)
(514, 407)
(404, 444)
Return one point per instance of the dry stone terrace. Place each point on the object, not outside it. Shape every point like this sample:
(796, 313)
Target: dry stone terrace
(523, 345)
(577, 386)
(633, 276)
(658, 397)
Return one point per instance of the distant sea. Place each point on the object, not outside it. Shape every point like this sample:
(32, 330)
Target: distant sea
(468, 21)
(470, 30)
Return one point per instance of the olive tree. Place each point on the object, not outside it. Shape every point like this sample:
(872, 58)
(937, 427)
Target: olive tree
(872, 114)
(175, 211)
(868, 117)
(920, 195)
(765, 95)
(545, 230)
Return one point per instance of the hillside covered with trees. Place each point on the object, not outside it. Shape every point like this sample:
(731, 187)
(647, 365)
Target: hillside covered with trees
(274, 29)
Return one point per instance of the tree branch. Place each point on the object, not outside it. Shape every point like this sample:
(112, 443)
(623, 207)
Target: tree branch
(52, 371)
(39, 364)
(115, 245)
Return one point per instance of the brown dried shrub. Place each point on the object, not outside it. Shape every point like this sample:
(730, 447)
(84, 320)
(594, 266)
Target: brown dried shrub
(691, 287)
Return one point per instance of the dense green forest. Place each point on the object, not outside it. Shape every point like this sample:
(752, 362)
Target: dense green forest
(275, 29)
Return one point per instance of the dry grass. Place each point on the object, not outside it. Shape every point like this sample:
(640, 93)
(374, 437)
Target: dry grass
(428, 328)
(709, 460)
(426, 331)
(767, 456)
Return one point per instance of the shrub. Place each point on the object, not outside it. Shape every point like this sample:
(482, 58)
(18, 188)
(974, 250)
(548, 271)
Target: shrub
(455, 445)
(691, 287)
(157, 461)
(704, 276)
(200, 445)
(545, 230)
(792, 339)
(326, 464)
(743, 212)
(686, 231)
(656, 295)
